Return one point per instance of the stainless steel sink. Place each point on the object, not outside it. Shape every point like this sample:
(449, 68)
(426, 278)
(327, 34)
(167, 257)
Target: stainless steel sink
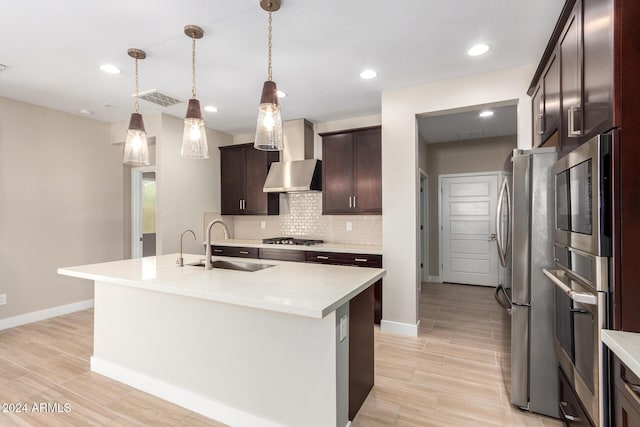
(238, 266)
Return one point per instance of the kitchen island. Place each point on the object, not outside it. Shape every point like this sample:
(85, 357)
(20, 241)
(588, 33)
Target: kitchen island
(268, 347)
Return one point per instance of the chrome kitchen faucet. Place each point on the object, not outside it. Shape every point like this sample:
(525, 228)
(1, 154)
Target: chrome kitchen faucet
(180, 260)
(207, 255)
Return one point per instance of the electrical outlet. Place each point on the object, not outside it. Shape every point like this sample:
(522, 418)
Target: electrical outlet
(349, 225)
(263, 225)
(344, 327)
(3, 299)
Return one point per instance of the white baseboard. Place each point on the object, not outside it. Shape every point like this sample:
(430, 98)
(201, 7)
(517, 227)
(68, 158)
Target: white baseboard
(48, 313)
(435, 279)
(399, 328)
(192, 401)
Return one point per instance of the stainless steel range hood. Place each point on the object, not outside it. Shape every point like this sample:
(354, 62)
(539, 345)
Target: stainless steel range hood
(299, 171)
(297, 175)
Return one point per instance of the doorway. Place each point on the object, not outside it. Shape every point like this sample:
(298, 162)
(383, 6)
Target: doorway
(143, 211)
(424, 228)
(468, 228)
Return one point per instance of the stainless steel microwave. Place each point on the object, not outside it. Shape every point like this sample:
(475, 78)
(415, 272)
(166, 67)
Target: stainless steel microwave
(583, 197)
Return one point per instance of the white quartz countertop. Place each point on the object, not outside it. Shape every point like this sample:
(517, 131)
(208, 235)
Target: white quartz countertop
(322, 247)
(311, 290)
(625, 345)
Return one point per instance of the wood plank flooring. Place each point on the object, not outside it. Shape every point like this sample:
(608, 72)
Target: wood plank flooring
(456, 373)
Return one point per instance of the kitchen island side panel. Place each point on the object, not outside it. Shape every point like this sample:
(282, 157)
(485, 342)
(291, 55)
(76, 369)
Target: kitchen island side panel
(279, 367)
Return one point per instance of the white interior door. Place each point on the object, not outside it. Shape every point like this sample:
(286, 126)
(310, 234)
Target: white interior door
(467, 229)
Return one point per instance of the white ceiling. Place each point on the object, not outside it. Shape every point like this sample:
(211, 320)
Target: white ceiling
(54, 50)
(469, 125)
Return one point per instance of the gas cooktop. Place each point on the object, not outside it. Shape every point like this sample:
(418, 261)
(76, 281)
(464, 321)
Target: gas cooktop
(291, 241)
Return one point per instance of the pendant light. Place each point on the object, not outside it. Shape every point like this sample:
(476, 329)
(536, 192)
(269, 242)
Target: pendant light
(136, 148)
(194, 137)
(269, 127)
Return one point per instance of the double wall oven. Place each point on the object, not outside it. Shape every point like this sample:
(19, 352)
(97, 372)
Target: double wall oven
(582, 253)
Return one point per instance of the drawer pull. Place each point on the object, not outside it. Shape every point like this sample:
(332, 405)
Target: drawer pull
(217, 250)
(244, 252)
(322, 257)
(361, 260)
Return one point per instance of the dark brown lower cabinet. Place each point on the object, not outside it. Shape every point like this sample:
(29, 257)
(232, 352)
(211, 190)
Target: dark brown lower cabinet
(236, 251)
(571, 412)
(626, 401)
(361, 364)
(283, 254)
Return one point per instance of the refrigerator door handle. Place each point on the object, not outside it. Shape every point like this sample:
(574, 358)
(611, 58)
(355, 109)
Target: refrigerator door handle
(502, 247)
(507, 305)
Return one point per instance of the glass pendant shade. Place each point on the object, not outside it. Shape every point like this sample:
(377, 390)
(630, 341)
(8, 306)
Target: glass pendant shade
(136, 148)
(269, 126)
(194, 137)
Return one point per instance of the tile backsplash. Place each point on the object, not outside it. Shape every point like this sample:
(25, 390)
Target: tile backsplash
(301, 216)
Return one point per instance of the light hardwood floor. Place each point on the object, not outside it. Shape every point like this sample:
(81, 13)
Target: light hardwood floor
(456, 373)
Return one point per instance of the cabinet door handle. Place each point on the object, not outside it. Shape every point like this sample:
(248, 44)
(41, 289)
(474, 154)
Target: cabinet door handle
(217, 250)
(244, 252)
(573, 132)
(349, 202)
(240, 201)
(354, 202)
(566, 416)
(322, 257)
(361, 260)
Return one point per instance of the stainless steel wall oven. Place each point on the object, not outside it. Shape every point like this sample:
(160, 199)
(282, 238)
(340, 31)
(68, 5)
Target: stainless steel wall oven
(581, 281)
(581, 275)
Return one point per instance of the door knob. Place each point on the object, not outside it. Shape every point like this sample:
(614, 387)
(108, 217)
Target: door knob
(492, 237)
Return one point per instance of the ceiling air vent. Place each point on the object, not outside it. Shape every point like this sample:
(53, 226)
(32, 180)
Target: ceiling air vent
(470, 134)
(159, 98)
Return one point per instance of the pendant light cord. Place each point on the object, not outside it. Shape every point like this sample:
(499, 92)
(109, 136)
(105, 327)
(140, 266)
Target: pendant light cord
(193, 68)
(137, 104)
(269, 71)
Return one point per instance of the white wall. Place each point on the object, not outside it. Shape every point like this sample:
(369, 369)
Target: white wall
(400, 177)
(185, 188)
(60, 204)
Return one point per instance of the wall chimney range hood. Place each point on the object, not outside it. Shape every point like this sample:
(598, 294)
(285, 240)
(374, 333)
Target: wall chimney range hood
(295, 175)
(298, 171)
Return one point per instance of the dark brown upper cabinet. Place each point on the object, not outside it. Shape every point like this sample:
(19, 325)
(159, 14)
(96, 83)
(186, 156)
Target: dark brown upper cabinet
(546, 104)
(243, 170)
(598, 66)
(571, 80)
(352, 172)
(573, 91)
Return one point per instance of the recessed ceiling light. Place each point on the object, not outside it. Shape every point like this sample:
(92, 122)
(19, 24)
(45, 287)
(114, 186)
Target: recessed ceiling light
(368, 74)
(86, 112)
(487, 113)
(282, 94)
(111, 69)
(211, 109)
(479, 49)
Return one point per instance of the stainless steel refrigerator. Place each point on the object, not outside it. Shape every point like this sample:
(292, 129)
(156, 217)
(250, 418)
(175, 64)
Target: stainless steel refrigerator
(525, 245)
